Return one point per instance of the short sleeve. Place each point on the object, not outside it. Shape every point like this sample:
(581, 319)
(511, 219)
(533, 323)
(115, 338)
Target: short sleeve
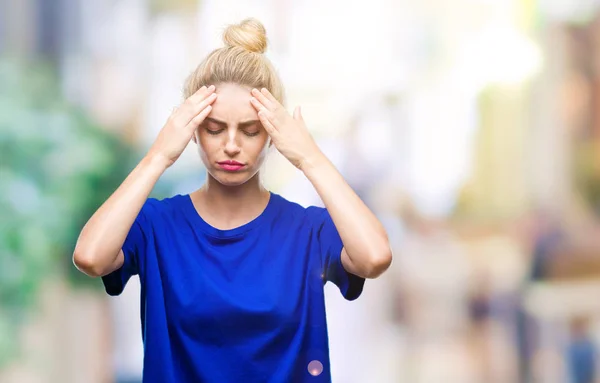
(133, 248)
(330, 246)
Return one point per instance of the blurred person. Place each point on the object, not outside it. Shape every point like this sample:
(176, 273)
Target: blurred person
(544, 233)
(490, 329)
(581, 352)
(232, 275)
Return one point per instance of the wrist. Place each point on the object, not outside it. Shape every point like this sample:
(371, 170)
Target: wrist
(312, 163)
(156, 161)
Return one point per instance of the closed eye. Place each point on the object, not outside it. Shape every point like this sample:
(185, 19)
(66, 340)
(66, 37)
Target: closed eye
(213, 127)
(214, 132)
(251, 128)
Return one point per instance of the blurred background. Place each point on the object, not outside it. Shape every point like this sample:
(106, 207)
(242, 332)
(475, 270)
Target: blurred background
(471, 127)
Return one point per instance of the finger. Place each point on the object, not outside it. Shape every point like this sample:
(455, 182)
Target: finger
(194, 104)
(199, 119)
(201, 94)
(279, 112)
(272, 117)
(275, 117)
(257, 104)
(188, 111)
(269, 96)
(266, 123)
(264, 100)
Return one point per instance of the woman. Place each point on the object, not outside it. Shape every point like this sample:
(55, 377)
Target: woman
(232, 275)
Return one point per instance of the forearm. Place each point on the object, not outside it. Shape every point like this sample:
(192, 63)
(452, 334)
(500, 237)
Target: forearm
(103, 235)
(364, 237)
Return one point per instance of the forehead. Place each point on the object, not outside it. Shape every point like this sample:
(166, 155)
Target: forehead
(233, 104)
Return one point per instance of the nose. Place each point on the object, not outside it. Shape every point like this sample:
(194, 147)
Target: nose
(232, 147)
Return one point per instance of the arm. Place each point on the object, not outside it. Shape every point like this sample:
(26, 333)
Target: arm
(98, 249)
(366, 250)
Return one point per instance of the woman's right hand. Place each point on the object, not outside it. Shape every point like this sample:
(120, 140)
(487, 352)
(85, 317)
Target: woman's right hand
(181, 125)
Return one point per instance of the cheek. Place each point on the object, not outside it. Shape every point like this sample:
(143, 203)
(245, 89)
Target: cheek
(205, 148)
(261, 144)
(206, 143)
(262, 150)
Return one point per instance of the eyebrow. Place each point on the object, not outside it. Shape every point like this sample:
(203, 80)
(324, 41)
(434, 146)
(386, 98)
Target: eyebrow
(242, 123)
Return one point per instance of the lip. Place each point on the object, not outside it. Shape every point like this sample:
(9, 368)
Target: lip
(230, 166)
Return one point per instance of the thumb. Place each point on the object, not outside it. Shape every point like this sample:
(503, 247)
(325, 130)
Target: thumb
(298, 114)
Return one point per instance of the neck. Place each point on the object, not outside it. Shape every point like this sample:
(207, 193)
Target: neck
(230, 205)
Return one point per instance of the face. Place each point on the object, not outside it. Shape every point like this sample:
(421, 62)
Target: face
(232, 142)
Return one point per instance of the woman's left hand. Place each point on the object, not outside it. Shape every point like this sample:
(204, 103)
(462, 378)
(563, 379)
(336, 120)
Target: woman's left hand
(288, 133)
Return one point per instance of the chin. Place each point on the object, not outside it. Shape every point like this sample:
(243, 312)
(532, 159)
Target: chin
(231, 182)
(231, 179)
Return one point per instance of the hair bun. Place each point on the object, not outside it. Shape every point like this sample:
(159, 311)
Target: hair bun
(250, 34)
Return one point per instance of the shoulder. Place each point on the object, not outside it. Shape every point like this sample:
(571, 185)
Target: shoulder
(155, 208)
(309, 215)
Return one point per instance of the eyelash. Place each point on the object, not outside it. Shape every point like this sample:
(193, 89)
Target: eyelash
(215, 132)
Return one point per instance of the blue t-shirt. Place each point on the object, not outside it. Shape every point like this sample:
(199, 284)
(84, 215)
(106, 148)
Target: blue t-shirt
(240, 305)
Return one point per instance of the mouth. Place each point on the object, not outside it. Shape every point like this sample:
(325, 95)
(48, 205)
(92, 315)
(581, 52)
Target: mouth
(230, 166)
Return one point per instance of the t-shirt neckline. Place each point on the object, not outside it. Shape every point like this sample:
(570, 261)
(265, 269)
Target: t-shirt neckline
(193, 214)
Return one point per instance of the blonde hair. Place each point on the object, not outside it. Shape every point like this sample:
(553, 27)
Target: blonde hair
(241, 61)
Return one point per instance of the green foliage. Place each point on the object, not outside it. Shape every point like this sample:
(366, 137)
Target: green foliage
(56, 168)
